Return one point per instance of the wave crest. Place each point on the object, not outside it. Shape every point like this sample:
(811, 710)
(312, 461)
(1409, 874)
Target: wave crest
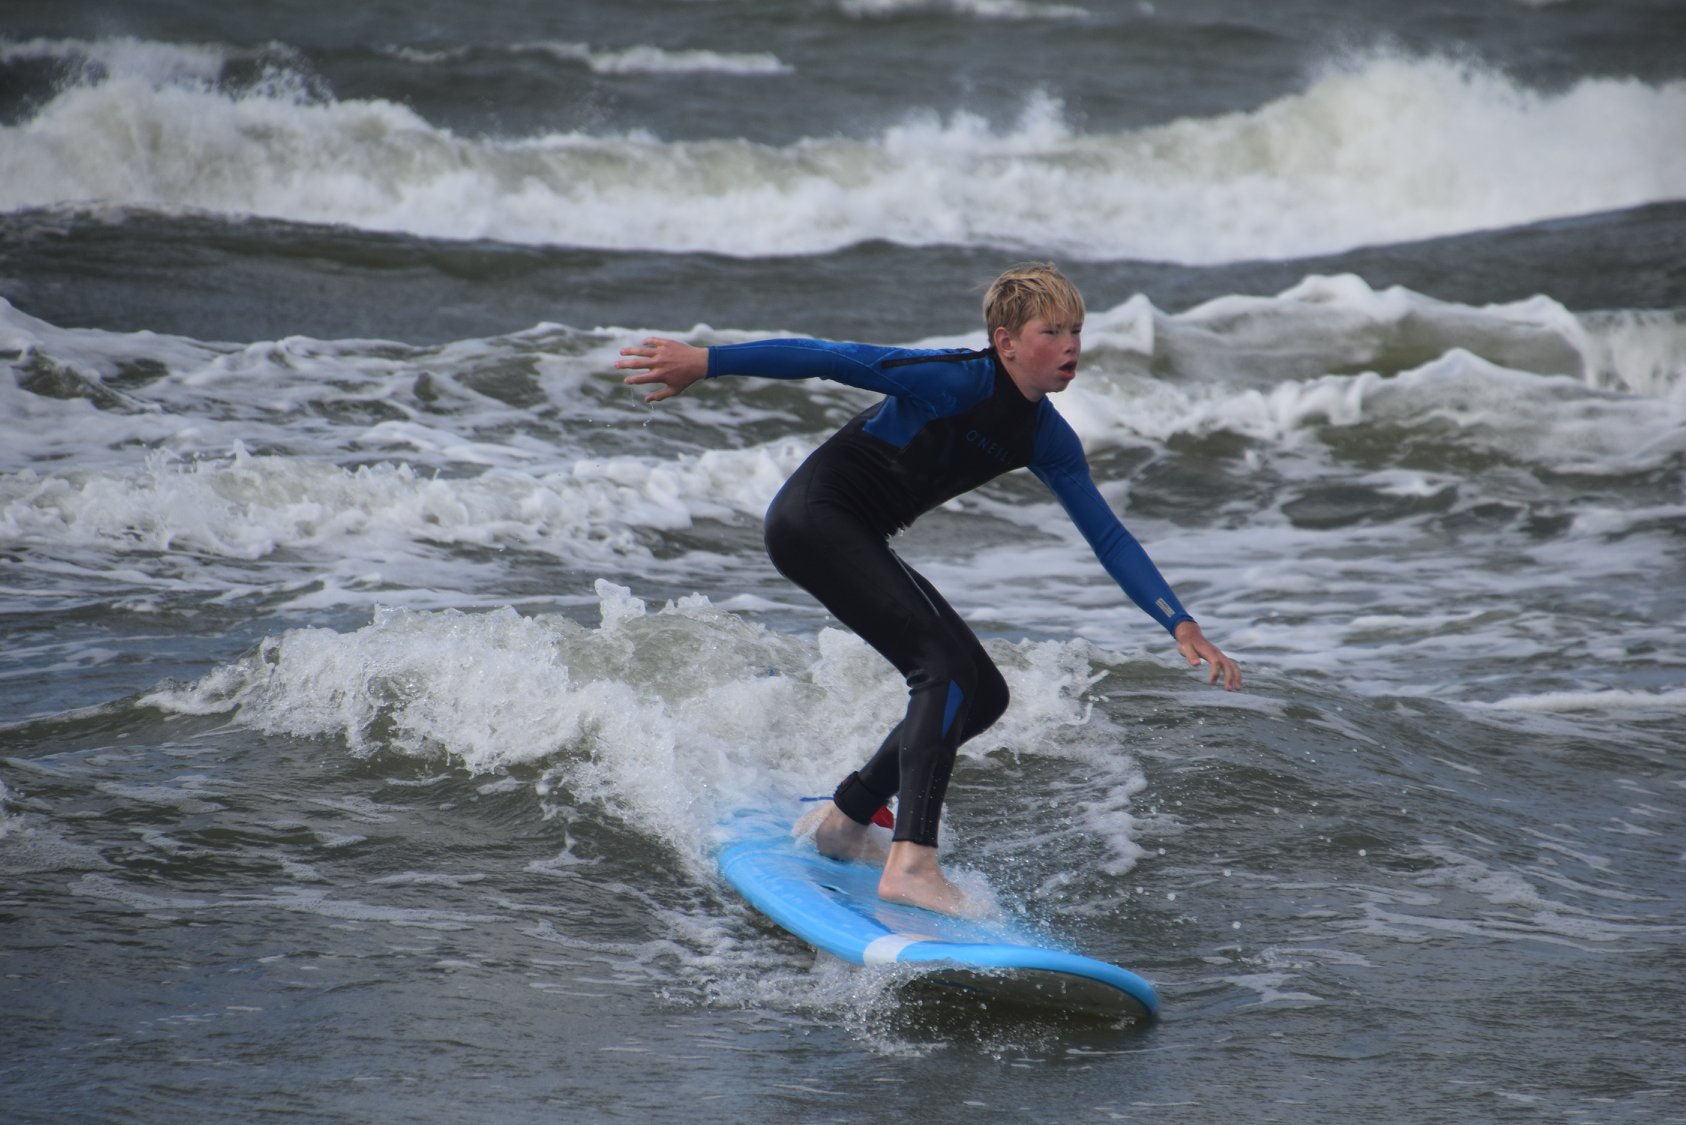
(1381, 148)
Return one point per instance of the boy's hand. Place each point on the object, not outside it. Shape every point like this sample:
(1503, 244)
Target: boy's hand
(672, 363)
(1194, 646)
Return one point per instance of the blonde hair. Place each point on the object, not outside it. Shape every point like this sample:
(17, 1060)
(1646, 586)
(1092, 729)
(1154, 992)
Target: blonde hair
(1029, 290)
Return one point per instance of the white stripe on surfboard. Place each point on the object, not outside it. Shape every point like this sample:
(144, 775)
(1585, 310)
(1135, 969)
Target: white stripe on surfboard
(885, 950)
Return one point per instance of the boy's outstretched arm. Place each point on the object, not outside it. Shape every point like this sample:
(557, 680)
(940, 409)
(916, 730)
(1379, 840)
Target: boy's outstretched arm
(672, 363)
(1194, 646)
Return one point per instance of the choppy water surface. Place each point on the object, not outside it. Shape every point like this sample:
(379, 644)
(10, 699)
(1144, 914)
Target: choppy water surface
(376, 668)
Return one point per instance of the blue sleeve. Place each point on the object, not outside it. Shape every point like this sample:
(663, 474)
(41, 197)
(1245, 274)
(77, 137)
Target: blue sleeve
(854, 365)
(1060, 464)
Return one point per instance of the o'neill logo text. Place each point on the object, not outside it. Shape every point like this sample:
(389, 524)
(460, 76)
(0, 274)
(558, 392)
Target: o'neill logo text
(987, 445)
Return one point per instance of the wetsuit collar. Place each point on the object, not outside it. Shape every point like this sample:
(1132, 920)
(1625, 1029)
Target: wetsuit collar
(1001, 373)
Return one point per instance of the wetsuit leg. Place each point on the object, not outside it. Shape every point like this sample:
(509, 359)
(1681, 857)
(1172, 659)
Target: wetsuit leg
(954, 689)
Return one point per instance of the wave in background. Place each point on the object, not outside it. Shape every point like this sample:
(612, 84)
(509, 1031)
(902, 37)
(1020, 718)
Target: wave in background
(1380, 148)
(976, 9)
(144, 443)
(632, 60)
(1391, 474)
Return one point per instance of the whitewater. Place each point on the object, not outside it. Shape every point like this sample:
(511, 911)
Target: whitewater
(1379, 148)
(376, 670)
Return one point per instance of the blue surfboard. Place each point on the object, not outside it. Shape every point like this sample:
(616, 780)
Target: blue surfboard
(834, 906)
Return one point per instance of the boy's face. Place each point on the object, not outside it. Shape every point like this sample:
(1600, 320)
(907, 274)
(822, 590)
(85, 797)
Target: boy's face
(1042, 356)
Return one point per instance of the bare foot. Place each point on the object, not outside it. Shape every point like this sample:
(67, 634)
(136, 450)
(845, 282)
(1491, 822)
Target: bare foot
(838, 837)
(913, 877)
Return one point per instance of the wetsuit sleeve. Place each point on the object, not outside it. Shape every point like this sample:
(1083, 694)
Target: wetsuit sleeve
(1060, 464)
(855, 365)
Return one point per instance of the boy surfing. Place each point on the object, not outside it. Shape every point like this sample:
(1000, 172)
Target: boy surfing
(950, 421)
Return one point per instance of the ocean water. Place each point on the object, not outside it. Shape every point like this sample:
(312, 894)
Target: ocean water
(376, 668)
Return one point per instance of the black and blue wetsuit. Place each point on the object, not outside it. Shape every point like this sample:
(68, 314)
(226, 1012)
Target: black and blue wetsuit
(951, 421)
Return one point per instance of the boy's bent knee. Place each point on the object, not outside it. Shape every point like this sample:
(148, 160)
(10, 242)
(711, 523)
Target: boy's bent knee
(988, 701)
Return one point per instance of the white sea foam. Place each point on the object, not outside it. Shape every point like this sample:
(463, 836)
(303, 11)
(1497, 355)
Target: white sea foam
(334, 461)
(248, 507)
(1615, 701)
(8, 819)
(161, 63)
(1341, 323)
(670, 718)
(1523, 380)
(1641, 351)
(1381, 149)
(1543, 421)
(975, 9)
(642, 59)
(362, 487)
(654, 60)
